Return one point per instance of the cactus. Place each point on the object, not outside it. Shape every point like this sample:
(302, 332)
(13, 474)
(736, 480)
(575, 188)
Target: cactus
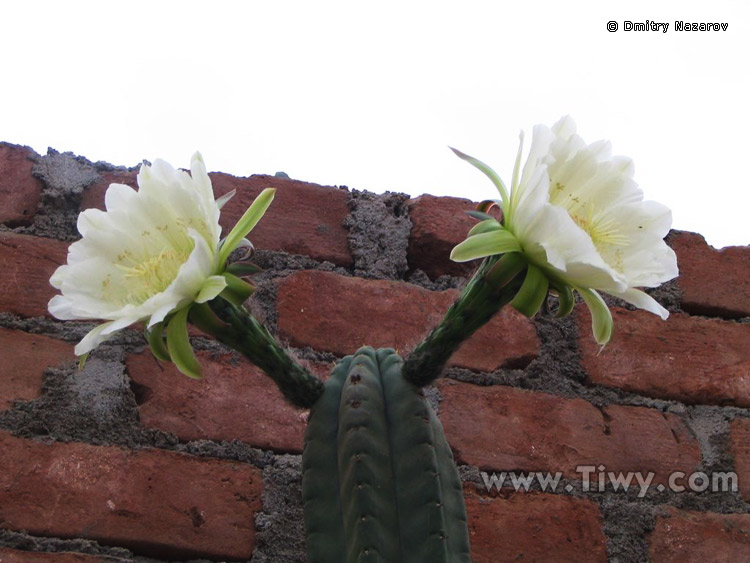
(379, 483)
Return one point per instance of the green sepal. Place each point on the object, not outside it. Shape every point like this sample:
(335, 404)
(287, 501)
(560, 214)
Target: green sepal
(82, 361)
(485, 244)
(246, 223)
(242, 269)
(237, 291)
(533, 292)
(601, 316)
(155, 337)
(486, 226)
(178, 343)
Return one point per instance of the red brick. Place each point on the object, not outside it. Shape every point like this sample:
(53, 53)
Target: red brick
(19, 190)
(157, 503)
(439, 224)
(8, 555)
(304, 218)
(21, 372)
(713, 282)
(233, 401)
(688, 359)
(339, 314)
(688, 537)
(28, 262)
(503, 428)
(93, 195)
(534, 527)
(740, 440)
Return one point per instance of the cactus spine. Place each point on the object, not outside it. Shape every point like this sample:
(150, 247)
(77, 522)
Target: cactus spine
(379, 482)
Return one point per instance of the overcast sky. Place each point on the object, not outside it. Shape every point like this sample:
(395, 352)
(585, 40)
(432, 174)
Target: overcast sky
(370, 94)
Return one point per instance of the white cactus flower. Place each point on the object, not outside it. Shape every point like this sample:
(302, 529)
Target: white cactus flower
(577, 216)
(151, 254)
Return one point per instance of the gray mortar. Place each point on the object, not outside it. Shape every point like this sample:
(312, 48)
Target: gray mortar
(64, 176)
(711, 427)
(379, 229)
(280, 527)
(26, 542)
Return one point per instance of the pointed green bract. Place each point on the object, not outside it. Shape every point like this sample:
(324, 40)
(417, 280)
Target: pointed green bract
(221, 201)
(489, 172)
(481, 215)
(213, 286)
(82, 361)
(246, 223)
(242, 269)
(601, 317)
(485, 244)
(565, 300)
(178, 344)
(237, 291)
(486, 226)
(155, 337)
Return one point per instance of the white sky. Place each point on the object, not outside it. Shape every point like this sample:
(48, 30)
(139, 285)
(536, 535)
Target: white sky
(370, 94)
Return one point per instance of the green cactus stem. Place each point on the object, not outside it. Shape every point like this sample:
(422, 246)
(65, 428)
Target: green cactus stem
(378, 479)
(238, 329)
(494, 285)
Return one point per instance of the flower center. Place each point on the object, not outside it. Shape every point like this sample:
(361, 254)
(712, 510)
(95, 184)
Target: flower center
(151, 276)
(602, 231)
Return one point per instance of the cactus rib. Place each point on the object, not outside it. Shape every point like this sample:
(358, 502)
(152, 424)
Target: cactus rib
(385, 489)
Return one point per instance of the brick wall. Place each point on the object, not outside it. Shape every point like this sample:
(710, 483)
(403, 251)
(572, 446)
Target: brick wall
(130, 460)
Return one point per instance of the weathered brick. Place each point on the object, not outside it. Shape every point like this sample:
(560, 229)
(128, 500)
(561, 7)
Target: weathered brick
(688, 537)
(740, 440)
(713, 282)
(8, 555)
(233, 401)
(534, 527)
(19, 190)
(439, 224)
(339, 314)
(304, 218)
(688, 359)
(157, 503)
(23, 361)
(28, 262)
(503, 428)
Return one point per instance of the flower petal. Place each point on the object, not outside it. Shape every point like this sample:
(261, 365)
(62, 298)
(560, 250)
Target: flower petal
(643, 301)
(93, 339)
